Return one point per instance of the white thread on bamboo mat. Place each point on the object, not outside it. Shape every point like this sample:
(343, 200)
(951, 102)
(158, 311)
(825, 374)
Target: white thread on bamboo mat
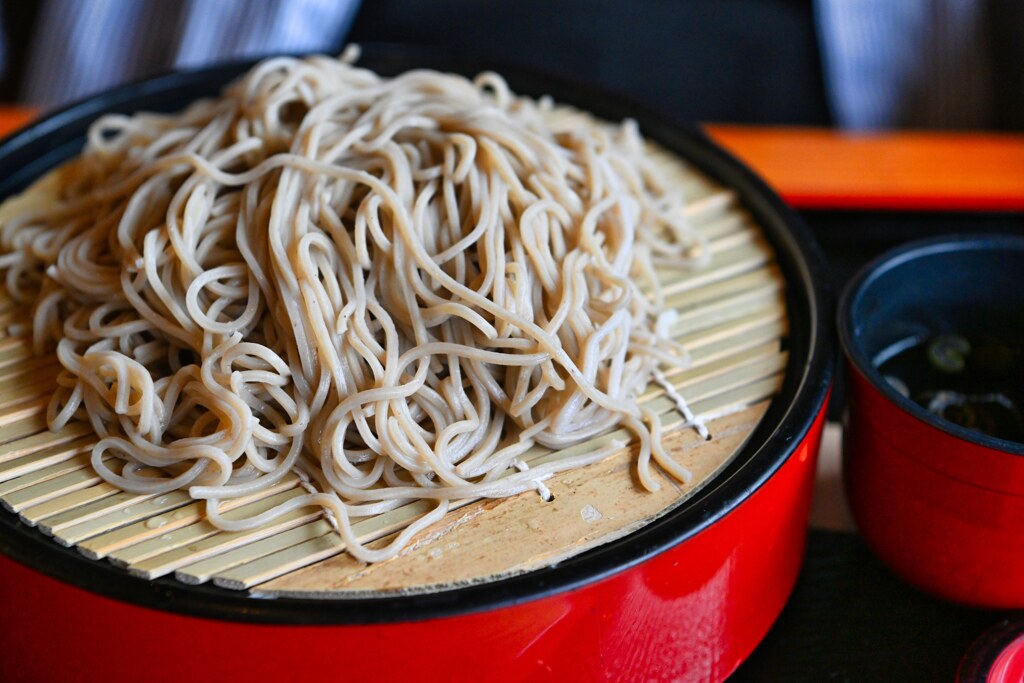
(543, 490)
(666, 319)
(305, 483)
(692, 420)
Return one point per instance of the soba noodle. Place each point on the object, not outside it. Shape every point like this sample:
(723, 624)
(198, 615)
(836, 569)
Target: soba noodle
(393, 288)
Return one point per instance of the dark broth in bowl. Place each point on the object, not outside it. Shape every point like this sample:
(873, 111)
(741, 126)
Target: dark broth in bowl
(976, 382)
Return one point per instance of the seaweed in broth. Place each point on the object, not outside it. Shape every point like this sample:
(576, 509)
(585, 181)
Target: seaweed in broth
(977, 382)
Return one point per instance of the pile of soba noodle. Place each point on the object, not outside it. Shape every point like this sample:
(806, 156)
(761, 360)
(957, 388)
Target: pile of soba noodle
(393, 288)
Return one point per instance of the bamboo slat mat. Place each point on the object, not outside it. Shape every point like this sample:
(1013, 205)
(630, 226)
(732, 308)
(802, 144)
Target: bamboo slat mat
(731, 317)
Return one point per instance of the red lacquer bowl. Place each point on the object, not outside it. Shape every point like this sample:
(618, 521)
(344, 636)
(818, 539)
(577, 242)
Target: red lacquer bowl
(685, 598)
(997, 656)
(942, 505)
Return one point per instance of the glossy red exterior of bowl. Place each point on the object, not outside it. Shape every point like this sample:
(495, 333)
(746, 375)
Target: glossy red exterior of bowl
(997, 656)
(945, 514)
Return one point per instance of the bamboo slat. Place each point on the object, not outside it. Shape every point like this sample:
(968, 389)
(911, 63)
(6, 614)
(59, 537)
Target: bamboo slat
(218, 565)
(67, 499)
(220, 541)
(108, 535)
(44, 464)
(39, 439)
(167, 548)
(17, 350)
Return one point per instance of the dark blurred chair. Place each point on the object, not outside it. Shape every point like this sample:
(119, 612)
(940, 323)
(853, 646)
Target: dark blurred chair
(752, 61)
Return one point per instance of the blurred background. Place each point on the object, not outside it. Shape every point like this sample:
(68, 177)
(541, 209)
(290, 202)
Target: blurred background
(855, 64)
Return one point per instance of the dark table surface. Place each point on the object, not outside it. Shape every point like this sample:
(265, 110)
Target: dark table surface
(850, 619)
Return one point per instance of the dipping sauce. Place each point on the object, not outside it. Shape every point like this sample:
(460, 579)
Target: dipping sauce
(975, 382)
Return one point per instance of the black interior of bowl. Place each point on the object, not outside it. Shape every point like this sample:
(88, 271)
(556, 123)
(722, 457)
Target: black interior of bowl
(29, 153)
(969, 286)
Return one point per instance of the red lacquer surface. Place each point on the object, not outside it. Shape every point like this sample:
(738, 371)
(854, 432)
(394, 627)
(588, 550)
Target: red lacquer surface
(1009, 665)
(692, 613)
(945, 514)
